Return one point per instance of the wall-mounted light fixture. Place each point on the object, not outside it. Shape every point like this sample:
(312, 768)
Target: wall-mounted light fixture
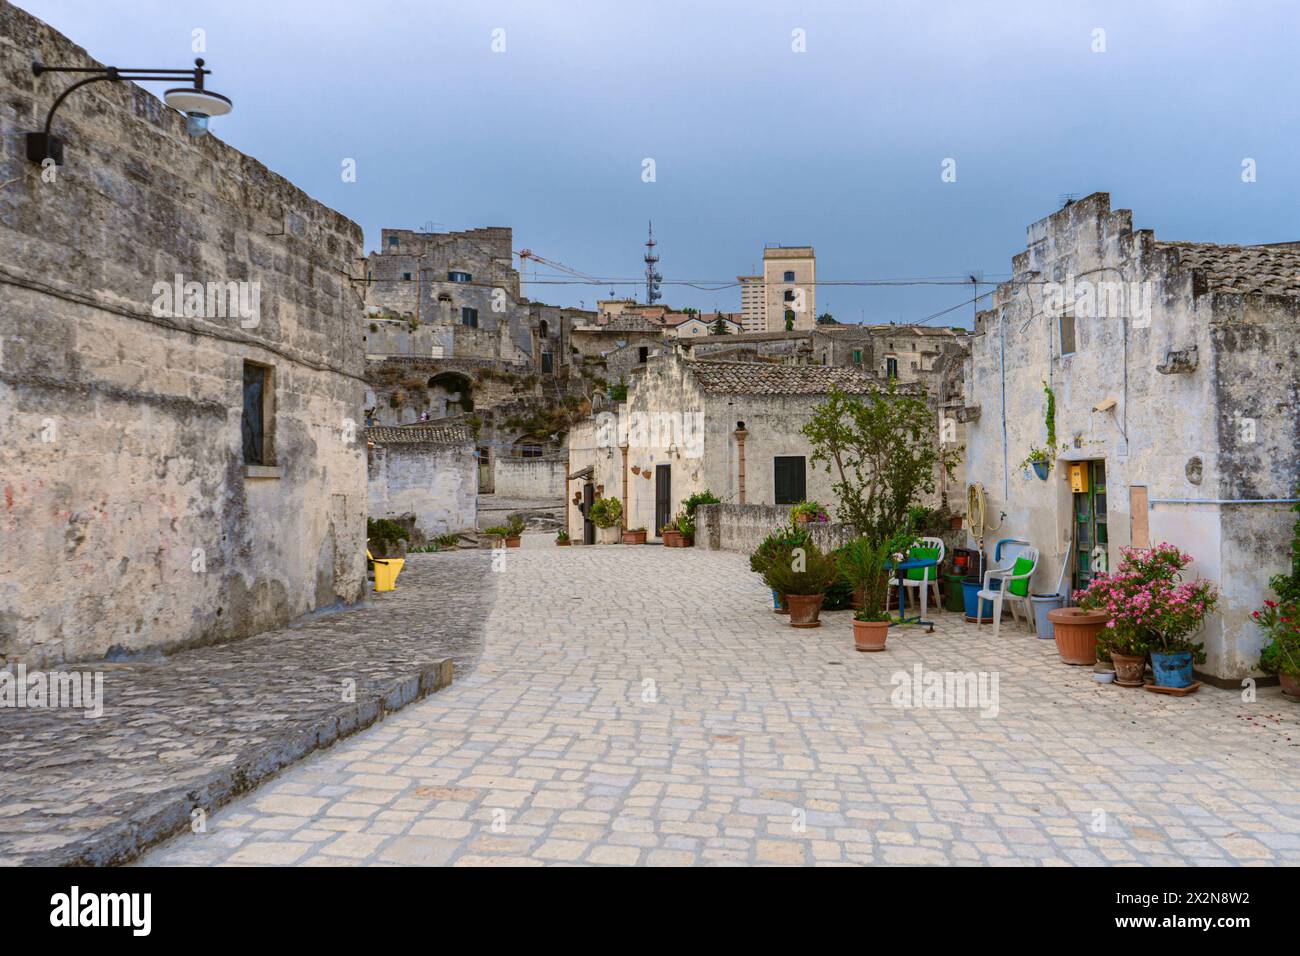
(197, 103)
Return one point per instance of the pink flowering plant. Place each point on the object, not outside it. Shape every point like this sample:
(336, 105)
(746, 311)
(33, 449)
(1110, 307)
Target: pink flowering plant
(1151, 607)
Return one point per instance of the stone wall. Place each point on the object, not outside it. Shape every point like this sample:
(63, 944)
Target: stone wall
(729, 527)
(528, 477)
(438, 484)
(129, 518)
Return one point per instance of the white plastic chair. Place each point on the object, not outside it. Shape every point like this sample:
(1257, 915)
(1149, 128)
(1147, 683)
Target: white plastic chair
(996, 596)
(930, 576)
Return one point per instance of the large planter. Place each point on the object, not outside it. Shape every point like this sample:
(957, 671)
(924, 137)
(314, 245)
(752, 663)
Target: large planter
(611, 535)
(805, 609)
(870, 635)
(673, 539)
(1172, 670)
(1129, 668)
(512, 541)
(634, 537)
(1290, 685)
(1076, 633)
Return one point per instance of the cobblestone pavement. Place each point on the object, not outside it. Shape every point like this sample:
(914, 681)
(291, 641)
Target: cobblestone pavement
(195, 728)
(637, 705)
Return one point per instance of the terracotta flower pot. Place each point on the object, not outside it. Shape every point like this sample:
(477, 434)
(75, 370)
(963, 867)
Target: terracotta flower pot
(802, 519)
(870, 635)
(563, 544)
(1290, 685)
(1129, 669)
(804, 609)
(672, 539)
(512, 541)
(1076, 633)
(634, 537)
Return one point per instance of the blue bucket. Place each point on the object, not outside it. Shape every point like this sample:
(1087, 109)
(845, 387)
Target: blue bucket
(1172, 670)
(971, 588)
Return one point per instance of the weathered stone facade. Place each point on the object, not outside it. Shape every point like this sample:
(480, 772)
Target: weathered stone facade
(429, 472)
(129, 518)
(1187, 394)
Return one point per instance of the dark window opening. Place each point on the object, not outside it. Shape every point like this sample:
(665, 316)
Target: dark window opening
(789, 295)
(891, 368)
(643, 354)
(790, 478)
(548, 365)
(857, 356)
(406, 276)
(459, 277)
(392, 240)
(789, 276)
(469, 317)
(254, 419)
(1067, 333)
(543, 329)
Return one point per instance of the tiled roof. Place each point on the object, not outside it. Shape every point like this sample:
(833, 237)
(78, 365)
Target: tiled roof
(754, 378)
(1270, 270)
(420, 434)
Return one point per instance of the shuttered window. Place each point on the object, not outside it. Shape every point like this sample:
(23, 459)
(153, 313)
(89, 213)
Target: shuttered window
(790, 479)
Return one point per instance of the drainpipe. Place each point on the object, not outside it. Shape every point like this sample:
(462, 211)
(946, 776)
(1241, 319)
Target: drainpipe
(623, 449)
(741, 435)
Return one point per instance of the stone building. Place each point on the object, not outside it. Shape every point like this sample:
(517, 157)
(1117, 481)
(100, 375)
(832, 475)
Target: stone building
(729, 427)
(173, 474)
(789, 285)
(691, 325)
(425, 472)
(1177, 407)
(787, 348)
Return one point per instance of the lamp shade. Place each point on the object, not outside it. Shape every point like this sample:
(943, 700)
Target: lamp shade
(195, 101)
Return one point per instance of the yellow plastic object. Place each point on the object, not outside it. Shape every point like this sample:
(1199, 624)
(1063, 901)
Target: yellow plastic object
(386, 571)
(1079, 477)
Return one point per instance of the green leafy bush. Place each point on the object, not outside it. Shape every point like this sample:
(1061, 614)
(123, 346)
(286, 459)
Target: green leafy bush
(704, 497)
(606, 512)
(806, 571)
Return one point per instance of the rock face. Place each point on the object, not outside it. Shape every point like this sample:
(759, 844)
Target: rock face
(131, 513)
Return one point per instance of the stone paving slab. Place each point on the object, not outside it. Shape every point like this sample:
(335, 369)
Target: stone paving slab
(199, 727)
(644, 706)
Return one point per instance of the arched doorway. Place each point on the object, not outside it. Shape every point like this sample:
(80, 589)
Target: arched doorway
(450, 393)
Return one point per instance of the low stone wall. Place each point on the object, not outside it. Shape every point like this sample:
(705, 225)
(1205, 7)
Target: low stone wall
(742, 527)
(528, 477)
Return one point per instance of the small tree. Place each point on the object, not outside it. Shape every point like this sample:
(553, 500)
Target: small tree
(719, 327)
(789, 320)
(883, 454)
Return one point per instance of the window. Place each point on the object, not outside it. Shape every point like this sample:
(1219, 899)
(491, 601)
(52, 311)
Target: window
(789, 276)
(857, 356)
(789, 295)
(530, 451)
(790, 475)
(257, 417)
(1067, 333)
(392, 240)
(406, 276)
(459, 277)
(469, 317)
(642, 354)
(548, 365)
(891, 368)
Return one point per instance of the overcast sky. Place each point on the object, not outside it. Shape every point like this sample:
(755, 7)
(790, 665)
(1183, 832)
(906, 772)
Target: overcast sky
(840, 146)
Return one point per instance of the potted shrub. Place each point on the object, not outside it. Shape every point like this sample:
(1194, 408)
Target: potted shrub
(634, 536)
(777, 546)
(562, 539)
(1281, 622)
(866, 566)
(672, 538)
(386, 538)
(1148, 610)
(809, 512)
(803, 579)
(686, 528)
(508, 533)
(605, 514)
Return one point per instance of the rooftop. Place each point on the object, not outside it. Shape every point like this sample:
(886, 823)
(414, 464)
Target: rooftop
(753, 378)
(421, 433)
(1246, 270)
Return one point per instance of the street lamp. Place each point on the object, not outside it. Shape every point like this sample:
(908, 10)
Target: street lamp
(194, 101)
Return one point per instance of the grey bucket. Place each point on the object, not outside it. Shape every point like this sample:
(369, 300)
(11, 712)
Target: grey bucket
(1045, 604)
